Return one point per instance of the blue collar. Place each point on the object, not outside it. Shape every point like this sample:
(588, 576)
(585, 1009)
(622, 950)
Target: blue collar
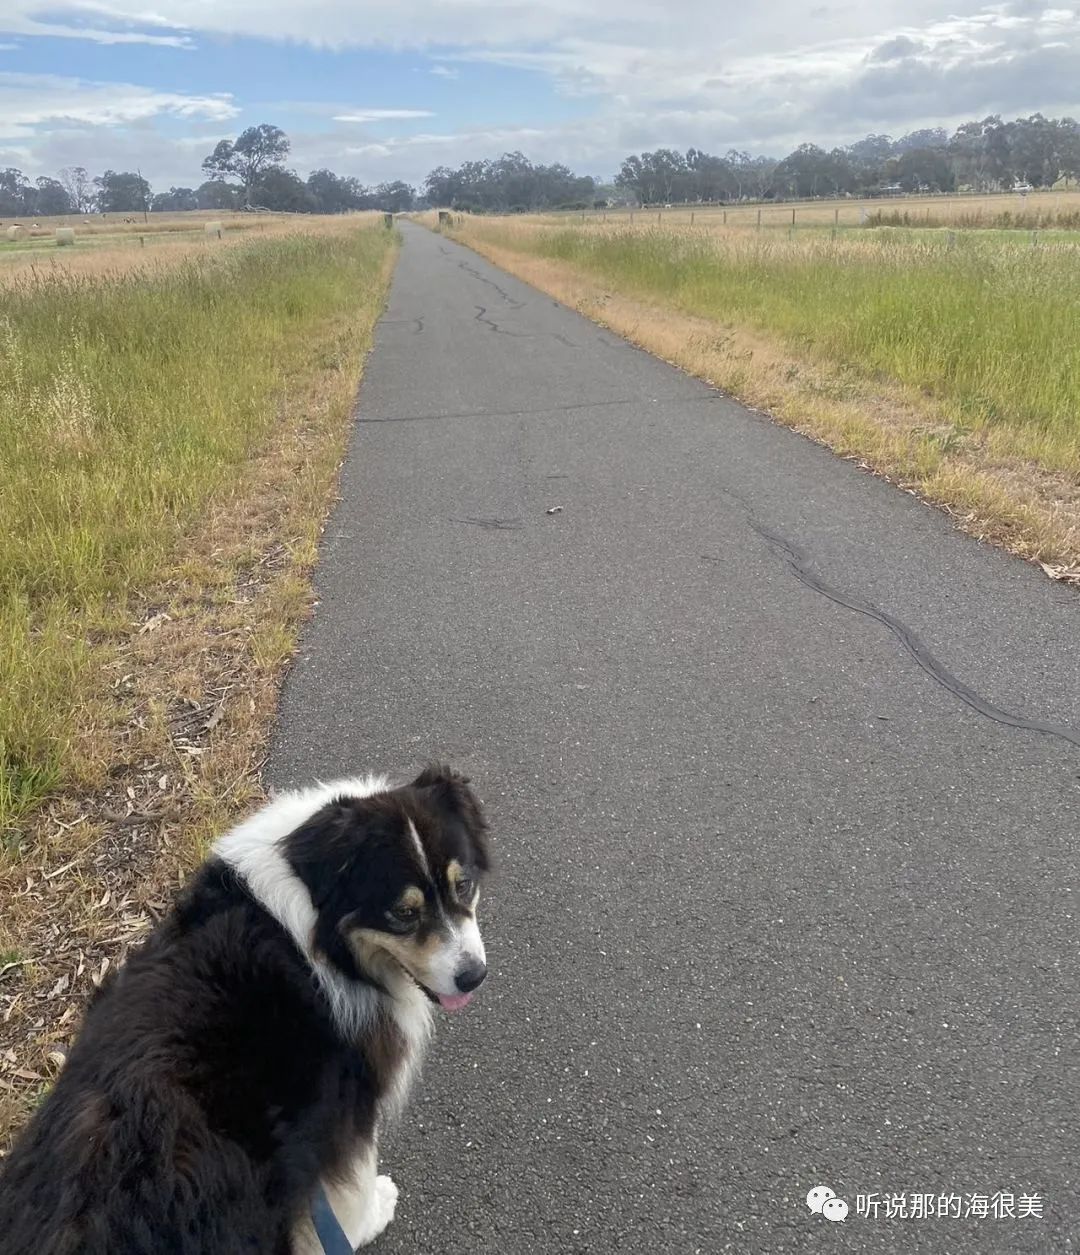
(327, 1229)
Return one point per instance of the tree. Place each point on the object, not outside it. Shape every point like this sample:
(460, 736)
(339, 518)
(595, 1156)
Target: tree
(1069, 148)
(215, 195)
(1035, 150)
(248, 157)
(710, 178)
(394, 198)
(511, 183)
(329, 193)
(79, 187)
(922, 169)
(16, 194)
(122, 192)
(51, 198)
(175, 200)
(282, 190)
(655, 178)
(811, 171)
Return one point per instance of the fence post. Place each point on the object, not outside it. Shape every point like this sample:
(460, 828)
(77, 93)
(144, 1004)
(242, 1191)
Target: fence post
(691, 217)
(793, 217)
(759, 219)
(725, 217)
(836, 217)
(658, 217)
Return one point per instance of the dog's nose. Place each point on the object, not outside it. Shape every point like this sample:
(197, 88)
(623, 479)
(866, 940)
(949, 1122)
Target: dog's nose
(470, 978)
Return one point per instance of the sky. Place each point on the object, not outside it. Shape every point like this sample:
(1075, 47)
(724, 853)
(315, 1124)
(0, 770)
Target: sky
(391, 90)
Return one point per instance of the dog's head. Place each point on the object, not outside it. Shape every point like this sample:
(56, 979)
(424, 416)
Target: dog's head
(395, 878)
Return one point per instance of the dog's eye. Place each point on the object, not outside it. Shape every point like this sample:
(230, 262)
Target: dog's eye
(464, 887)
(403, 918)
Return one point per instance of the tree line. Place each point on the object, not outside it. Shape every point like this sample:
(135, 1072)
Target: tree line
(983, 156)
(250, 172)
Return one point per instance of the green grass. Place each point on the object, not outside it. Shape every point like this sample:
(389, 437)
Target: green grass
(990, 330)
(126, 403)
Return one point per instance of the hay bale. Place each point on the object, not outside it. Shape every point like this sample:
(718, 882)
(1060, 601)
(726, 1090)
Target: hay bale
(65, 235)
(215, 228)
(14, 233)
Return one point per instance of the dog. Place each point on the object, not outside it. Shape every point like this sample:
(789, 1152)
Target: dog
(226, 1091)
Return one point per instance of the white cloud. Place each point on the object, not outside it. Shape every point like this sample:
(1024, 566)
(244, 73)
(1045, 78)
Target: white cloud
(32, 101)
(687, 72)
(382, 115)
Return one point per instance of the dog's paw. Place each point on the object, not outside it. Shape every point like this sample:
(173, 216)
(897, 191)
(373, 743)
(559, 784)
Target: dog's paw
(386, 1197)
(383, 1204)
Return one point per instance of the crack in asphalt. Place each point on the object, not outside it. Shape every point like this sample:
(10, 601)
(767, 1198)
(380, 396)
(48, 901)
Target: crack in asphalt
(471, 270)
(417, 324)
(800, 567)
(482, 316)
(545, 409)
(494, 525)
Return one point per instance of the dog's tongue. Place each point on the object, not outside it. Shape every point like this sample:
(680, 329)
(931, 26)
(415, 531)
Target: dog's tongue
(454, 1002)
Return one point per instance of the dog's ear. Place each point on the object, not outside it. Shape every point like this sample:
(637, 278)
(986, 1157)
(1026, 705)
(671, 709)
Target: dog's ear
(449, 792)
(323, 853)
(436, 774)
(321, 847)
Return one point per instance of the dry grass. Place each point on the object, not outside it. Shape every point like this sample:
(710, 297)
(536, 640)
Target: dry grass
(1042, 210)
(990, 478)
(176, 686)
(100, 253)
(88, 226)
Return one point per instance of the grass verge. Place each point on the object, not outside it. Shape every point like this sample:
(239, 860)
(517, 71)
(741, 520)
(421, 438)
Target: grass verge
(952, 371)
(173, 441)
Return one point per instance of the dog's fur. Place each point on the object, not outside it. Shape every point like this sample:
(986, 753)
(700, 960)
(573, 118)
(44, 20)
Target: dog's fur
(249, 1050)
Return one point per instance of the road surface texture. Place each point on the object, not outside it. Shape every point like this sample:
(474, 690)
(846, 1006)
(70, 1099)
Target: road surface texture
(783, 773)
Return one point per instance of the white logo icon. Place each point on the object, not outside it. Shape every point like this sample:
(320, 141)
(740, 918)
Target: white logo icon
(835, 1209)
(822, 1201)
(818, 1197)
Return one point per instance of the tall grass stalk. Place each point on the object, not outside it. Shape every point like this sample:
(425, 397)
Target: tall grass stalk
(126, 403)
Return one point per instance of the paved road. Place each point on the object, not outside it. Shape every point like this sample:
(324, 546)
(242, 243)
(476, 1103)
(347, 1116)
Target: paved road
(782, 901)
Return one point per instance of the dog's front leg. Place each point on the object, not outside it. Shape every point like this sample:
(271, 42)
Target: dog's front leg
(363, 1201)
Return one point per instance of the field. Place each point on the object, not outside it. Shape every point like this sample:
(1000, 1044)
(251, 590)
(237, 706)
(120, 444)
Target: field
(126, 225)
(946, 359)
(111, 243)
(1006, 210)
(172, 423)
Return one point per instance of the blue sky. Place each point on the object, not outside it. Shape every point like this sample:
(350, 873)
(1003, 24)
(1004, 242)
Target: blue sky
(390, 91)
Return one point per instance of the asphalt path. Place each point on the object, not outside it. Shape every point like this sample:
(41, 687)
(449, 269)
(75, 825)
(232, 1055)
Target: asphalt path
(783, 773)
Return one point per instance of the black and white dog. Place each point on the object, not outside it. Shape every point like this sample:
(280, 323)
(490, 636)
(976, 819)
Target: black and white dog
(227, 1088)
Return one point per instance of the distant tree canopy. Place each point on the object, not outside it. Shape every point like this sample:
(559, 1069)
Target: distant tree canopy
(249, 157)
(510, 184)
(174, 200)
(248, 172)
(122, 192)
(981, 156)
